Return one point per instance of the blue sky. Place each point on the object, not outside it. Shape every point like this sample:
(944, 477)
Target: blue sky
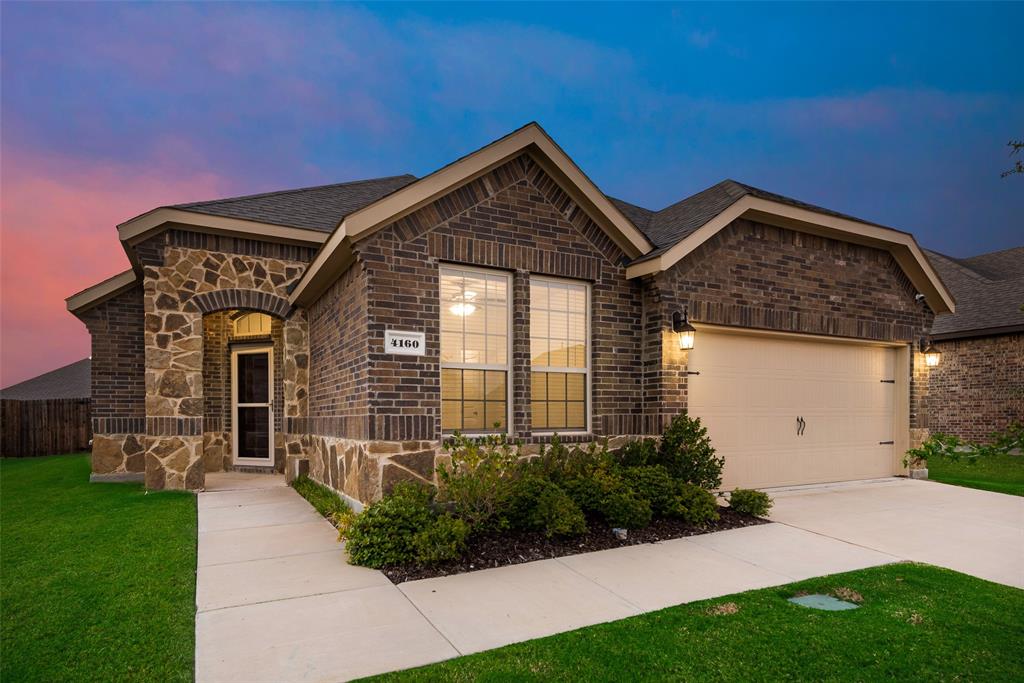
(896, 113)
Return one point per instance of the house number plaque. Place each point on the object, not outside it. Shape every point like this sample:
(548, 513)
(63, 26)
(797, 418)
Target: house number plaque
(404, 343)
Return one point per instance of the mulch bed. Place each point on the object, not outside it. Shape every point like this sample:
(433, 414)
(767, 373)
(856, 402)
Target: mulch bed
(515, 547)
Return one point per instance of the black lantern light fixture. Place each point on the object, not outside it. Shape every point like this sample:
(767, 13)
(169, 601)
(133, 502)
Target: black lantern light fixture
(681, 326)
(932, 356)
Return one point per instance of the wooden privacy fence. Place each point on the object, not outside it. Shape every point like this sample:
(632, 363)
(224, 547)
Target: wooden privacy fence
(44, 427)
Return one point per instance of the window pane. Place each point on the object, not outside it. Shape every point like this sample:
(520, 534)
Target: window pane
(497, 320)
(253, 431)
(451, 415)
(495, 415)
(559, 297)
(559, 325)
(575, 418)
(577, 356)
(539, 417)
(538, 386)
(473, 385)
(559, 356)
(556, 386)
(451, 384)
(497, 290)
(476, 348)
(539, 352)
(496, 386)
(497, 350)
(556, 415)
(253, 377)
(577, 327)
(451, 348)
(473, 415)
(575, 386)
(538, 295)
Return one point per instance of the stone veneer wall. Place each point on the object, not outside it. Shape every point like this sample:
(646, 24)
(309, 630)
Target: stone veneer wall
(181, 285)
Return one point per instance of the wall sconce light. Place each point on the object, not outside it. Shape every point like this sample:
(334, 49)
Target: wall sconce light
(681, 326)
(932, 355)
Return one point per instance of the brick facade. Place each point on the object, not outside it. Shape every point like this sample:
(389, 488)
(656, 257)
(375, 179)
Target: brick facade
(365, 419)
(977, 388)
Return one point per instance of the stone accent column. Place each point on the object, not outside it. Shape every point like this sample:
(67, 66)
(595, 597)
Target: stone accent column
(174, 381)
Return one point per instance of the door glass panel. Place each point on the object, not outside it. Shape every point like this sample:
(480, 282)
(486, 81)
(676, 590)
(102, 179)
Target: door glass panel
(253, 378)
(253, 432)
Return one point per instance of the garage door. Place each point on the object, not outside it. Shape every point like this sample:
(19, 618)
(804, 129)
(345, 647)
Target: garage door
(786, 411)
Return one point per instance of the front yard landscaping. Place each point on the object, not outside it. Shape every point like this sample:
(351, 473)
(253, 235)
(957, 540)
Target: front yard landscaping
(98, 580)
(915, 622)
(999, 473)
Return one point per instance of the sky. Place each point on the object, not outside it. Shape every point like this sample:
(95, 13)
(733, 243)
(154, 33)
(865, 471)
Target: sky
(896, 113)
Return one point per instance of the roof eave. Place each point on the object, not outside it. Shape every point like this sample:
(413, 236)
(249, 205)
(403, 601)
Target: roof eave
(102, 291)
(902, 245)
(530, 139)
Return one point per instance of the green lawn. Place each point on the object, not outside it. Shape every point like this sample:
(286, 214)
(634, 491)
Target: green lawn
(1000, 473)
(916, 623)
(98, 580)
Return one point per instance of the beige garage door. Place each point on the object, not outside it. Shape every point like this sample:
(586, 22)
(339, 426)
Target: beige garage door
(786, 411)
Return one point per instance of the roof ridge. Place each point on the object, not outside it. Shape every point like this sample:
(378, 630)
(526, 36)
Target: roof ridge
(259, 195)
(956, 263)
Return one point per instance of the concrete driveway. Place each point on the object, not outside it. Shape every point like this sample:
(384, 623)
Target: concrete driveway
(276, 600)
(974, 532)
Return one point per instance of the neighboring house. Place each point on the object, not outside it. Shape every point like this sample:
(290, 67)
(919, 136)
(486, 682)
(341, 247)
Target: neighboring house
(353, 326)
(70, 381)
(978, 386)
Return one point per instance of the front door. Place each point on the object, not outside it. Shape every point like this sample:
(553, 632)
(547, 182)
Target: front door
(252, 414)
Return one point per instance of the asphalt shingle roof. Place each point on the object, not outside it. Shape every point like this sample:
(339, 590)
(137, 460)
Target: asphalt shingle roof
(989, 290)
(314, 208)
(70, 381)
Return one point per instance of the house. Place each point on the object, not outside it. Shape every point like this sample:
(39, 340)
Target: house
(70, 381)
(348, 328)
(978, 386)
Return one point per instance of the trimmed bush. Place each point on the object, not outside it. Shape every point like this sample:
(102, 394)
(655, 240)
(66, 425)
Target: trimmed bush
(750, 502)
(624, 509)
(476, 484)
(383, 535)
(686, 452)
(638, 453)
(654, 484)
(696, 505)
(327, 502)
(540, 505)
(443, 540)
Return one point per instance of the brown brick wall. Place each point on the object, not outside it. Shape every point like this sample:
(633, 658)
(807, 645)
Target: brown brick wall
(118, 363)
(977, 387)
(515, 219)
(758, 276)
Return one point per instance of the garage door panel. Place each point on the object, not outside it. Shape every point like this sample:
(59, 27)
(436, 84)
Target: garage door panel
(751, 389)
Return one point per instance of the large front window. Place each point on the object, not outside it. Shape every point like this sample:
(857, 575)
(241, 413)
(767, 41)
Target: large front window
(559, 355)
(474, 350)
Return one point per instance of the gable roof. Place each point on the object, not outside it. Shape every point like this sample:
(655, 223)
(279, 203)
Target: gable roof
(336, 253)
(70, 381)
(989, 290)
(313, 208)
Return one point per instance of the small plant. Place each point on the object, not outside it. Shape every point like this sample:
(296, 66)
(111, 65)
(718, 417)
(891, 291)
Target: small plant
(687, 452)
(476, 484)
(750, 502)
(938, 445)
(696, 505)
(442, 541)
(654, 484)
(638, 453)
(383, 534)
(540, 505)
(327, 502)
(624, 509)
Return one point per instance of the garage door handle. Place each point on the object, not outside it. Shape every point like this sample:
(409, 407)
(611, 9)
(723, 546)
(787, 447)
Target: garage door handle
(800, 426)
(886, 443)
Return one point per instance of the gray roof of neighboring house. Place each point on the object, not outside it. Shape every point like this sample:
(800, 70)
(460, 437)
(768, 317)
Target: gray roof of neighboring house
(314, 208)
(70, 381)
(989, 291)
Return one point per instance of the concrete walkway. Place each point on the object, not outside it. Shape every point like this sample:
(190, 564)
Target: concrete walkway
(277, 602)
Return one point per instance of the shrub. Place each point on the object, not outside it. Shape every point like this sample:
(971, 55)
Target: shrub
(443, 540)
(750, 502)
(476, 484)
(624, 509)
(686, 451)
(327, 502)
(697, 506)
(540, 505)
(638, 453)
(383, 535)
(559, 463)
(654, 484)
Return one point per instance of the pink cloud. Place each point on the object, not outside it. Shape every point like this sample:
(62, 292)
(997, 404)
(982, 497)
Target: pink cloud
(57, 236)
